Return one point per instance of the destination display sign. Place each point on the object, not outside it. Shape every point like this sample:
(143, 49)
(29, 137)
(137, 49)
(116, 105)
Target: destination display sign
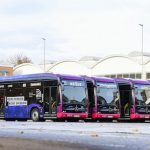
(35, 84)
(72, 83)
(107, 85)
(142, 87)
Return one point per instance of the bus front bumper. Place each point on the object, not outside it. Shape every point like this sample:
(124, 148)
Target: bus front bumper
(103, 116)
(139, 116)
(72, 115)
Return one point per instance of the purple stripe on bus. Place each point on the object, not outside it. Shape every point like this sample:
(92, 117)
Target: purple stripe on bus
(70, 77)
(122, 80)
(29, 76)
(103, 79)
(138, 81)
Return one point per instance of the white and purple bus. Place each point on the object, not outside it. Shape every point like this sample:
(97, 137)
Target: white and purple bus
(119, 99)
(103, 95)
(42, 96)
(134, 99)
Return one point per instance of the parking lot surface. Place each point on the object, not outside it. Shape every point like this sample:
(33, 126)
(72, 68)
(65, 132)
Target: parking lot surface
(81, 135)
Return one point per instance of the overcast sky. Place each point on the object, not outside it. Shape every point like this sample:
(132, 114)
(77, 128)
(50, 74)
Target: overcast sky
(72, 28)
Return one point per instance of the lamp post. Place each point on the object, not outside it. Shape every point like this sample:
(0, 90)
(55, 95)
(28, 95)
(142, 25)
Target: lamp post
(44, 53)
(142, 50)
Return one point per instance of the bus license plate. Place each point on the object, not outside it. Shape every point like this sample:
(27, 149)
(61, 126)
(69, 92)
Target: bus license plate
(110, 116)
(76, 116)
(146, 116)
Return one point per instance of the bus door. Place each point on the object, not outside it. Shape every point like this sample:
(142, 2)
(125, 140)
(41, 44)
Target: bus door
(91, 98)
(53, 101)
(125, 91)
(2, 101)
(50, 99)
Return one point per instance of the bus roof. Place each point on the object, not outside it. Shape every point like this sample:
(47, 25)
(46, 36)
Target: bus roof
(122, 80)
(131, 81)
(100, 79)
(70, 77)
(37, 76)
(103, 79)
(139, 81)
(87, 78)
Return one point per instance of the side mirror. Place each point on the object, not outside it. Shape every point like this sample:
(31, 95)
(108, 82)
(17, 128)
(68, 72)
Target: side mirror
(62, 87)
(98, 89)
(135, 90)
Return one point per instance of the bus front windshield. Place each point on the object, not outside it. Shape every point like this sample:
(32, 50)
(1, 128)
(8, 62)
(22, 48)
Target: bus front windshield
(73, 92)
(107, 93)
(142, 94)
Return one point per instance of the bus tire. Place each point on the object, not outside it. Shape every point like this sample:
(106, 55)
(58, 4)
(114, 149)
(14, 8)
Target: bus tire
(35, 115)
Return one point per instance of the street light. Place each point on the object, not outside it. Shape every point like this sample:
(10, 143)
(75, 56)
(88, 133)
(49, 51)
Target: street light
(142, 50)
(44, 52)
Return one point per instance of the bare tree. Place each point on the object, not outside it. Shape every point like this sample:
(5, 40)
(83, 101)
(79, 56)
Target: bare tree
(19, 59)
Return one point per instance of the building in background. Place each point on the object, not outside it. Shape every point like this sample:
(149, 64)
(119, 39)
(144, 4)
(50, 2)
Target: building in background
(69, 67)
(114, 66)
(27, 68)
(6, 71)
(89, 61)
(123, 66)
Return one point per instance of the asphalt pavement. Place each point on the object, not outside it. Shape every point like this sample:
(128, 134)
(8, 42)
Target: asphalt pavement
(96, 136)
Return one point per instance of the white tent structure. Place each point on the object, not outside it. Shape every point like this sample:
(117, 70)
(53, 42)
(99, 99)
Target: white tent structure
(116, 66)
(26, 68)
(69, 67)
(120, 66)
(123, 66)
(89, 61)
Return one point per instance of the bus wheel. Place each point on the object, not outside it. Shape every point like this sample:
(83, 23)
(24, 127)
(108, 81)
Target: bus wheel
(35, 116)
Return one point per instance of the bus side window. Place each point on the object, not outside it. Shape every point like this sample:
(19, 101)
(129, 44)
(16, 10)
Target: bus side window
(31, 95)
